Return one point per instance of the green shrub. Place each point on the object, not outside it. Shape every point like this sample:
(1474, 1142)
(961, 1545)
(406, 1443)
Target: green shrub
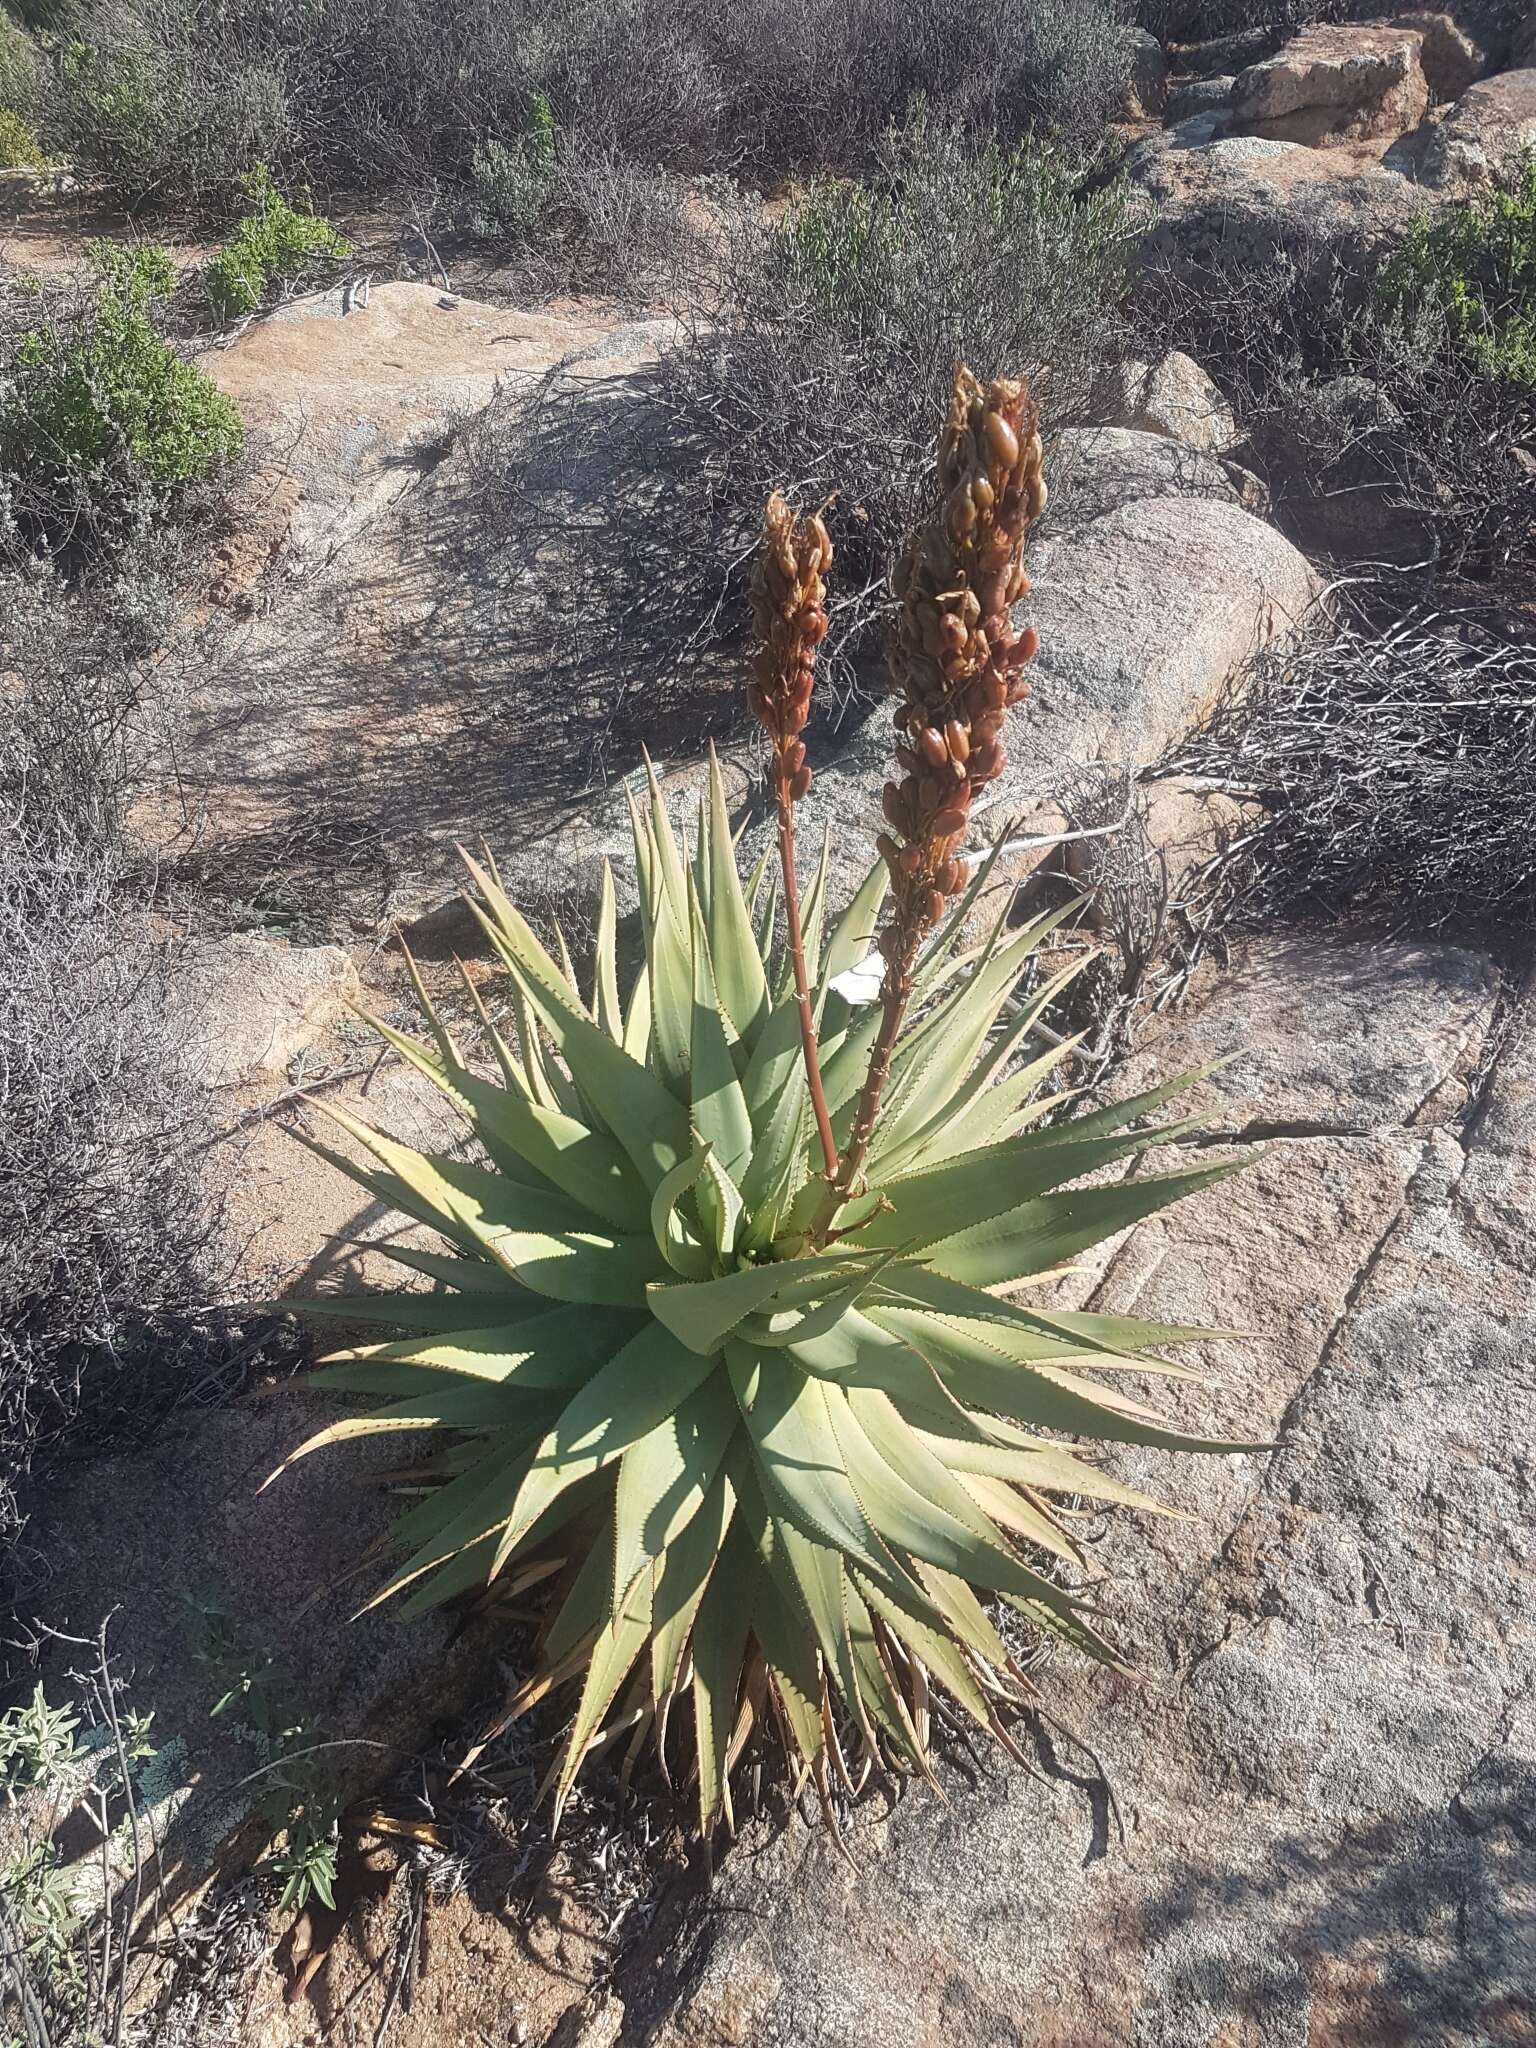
(20, 144)
(273, 241)
(512, 183)
(110, 389)
(827, 343)
(156, 111)
(1473, 267)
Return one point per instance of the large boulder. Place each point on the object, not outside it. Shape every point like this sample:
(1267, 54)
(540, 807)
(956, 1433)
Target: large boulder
(1189, 98)
(377, 702)
(1484, 136)
(1147, 613)
(1325, 1775)
(1218, 56)
(1098, 469)
(1453, 56)
(1335, 84)
(1147, 91)
(1523, 49)
(1329, 1037)
(1173, 397)
(1246, 201)
(348, 396)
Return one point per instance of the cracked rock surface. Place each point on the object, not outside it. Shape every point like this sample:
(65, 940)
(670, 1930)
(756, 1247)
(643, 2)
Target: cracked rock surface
(1326, 1768)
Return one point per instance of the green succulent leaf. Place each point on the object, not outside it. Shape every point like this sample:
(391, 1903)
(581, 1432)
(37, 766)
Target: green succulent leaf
(765, 1473)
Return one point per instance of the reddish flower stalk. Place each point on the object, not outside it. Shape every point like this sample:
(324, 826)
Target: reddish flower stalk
(790, 620)
(956, 661)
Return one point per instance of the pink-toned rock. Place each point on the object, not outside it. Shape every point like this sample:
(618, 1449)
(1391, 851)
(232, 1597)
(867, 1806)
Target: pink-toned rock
(1335, 84)
(258, 1004)
(1147, 613)
(1451, 56)
(1174, 397)
(1484, 135)
(1146, 92)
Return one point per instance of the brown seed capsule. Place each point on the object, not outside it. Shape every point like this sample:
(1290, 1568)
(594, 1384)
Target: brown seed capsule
(948, 822)
(957, 739)
(985, 762)
(933, 747)
(799, 783)
(951, 878)
(1002, 441)
(911, 859)
(895, 810)
(887, 849)
(794, 755)
(934, 906)
(1029, 644)
(927, 796)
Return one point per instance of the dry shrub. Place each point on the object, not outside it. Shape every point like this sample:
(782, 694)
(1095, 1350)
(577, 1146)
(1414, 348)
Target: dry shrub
(820, 351)
(171, 101)
(1358, 413)
(109, 1249)
(587, 218)
(1392, 768)
(1192, 21)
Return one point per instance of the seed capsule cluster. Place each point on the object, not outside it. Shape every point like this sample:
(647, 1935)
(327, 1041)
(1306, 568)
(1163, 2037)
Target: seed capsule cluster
(790, 622)
(955, 657)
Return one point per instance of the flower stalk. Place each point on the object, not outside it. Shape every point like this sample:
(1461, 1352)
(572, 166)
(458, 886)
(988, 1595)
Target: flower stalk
(790, 622)
(956, 662)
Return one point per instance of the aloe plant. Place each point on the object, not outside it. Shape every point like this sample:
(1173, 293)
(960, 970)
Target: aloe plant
(725, 1348)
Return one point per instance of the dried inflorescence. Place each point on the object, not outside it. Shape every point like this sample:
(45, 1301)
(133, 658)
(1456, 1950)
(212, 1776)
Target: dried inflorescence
(790, 622)
(955, 657)
(789, 617)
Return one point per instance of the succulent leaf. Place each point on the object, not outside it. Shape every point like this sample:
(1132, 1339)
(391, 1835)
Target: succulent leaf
(772, 1473)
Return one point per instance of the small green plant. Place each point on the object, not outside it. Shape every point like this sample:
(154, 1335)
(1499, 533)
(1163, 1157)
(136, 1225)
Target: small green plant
(52, 1911)
(104, 395)
(721, 1344)
(36, 1742)
(511, 182)
(20, 148)
(1474, 267)
(292, 1794)
(274, 241)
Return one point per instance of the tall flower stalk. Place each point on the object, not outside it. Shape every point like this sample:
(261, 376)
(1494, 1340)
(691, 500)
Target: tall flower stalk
(790, 621)
(956, 661)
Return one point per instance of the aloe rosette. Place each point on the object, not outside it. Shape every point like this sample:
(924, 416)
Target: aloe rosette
(778, 1470)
